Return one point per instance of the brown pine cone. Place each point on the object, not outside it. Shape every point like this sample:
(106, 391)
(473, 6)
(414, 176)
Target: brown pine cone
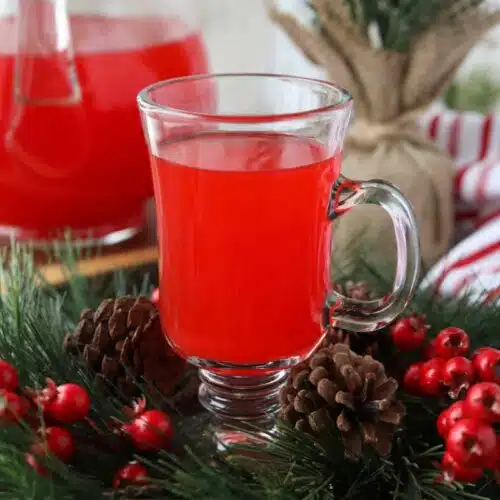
(336, 388)
(377, 344)
(122, 341)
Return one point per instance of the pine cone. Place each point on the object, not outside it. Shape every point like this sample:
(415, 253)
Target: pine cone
(376, 344)
(337, 388)
(122, 341)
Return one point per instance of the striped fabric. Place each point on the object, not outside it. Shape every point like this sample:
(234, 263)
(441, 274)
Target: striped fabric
(472, 267)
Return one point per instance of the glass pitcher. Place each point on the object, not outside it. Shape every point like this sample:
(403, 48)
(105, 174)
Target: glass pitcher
(71, 149)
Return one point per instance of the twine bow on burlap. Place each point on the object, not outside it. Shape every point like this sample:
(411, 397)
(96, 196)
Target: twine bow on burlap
(391, 89)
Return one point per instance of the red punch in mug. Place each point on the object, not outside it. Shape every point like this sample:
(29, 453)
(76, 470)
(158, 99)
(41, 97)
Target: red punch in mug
(247, 182)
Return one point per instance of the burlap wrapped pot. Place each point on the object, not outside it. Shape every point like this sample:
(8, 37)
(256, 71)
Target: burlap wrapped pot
(390, 89)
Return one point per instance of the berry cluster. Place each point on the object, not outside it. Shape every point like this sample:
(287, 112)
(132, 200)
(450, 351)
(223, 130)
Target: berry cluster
(448, 369)
(149, 431)
(57, 405)
(52, 410)
(472, 444)
(467, 426)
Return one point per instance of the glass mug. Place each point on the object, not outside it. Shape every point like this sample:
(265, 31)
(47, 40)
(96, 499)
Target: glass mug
(247, 180)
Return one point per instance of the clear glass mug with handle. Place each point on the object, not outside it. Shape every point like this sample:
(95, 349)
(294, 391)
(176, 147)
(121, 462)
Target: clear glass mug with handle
(246, 185)
(71, 146)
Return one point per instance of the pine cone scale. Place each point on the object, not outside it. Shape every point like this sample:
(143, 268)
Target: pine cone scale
(345, 399)
(101, 338)
(301, 380)
(110, 367)
(320, 372)
(394, 414)
(104, 311)
(386, 390)
(369, 433)
(327, 390)
(118, 325)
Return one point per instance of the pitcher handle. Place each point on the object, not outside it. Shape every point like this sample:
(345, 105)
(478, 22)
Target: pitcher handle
(366, 316)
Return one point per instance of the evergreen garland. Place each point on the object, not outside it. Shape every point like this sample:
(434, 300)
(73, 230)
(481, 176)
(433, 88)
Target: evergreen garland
(33, 321)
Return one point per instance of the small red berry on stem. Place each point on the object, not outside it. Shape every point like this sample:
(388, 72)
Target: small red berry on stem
(482, 401)
(155, 296)
(13, 407)
(67, 403)
(56, 441)
(449, 417)
(133, 473)
(9, 380)
(472, 442)
(487, 364)
(411, 381)
(431, 376)
(451, 342)
(408, 334)
(150, 431)
(455, 471)
(458, 375)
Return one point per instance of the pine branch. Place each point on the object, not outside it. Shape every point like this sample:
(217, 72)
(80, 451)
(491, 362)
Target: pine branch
(33, 321)
(398, 22)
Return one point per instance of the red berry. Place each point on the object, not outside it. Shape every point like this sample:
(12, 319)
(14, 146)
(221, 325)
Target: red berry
(471, 442)
(494, 463)
(56, 441)
(483, 402)
(487, 364)
(455, 471)
(13, 407)
(449, 417)
(458, 374)
(33, 462)
(133, 473)
(155, 296)
(451, 342)
(9, 379)
(478, 351)
(431, 376)
(409, 333)
(150, 431)
(67, 403)
(411, 381)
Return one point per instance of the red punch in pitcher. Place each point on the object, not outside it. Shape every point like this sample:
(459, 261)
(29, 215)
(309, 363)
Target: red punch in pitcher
(245, 195)
(72, 154)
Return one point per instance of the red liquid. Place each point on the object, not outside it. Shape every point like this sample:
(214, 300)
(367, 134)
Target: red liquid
(244, 239)
(86, 165)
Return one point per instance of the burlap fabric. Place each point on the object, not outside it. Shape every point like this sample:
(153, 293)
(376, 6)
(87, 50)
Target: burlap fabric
(390, 90)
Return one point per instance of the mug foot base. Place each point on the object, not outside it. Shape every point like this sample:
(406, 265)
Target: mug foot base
(242, 405)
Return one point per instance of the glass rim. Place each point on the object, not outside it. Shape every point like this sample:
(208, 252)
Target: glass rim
(146, 104)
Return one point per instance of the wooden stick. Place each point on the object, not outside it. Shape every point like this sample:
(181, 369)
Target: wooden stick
(56, 275)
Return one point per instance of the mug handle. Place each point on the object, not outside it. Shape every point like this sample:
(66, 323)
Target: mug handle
(367, 316)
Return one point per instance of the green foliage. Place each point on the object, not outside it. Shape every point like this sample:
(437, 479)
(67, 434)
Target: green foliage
(480, 92)
(287, 466)
(400, 21)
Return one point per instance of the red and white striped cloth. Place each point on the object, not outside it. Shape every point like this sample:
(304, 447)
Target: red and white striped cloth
(472, 267)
